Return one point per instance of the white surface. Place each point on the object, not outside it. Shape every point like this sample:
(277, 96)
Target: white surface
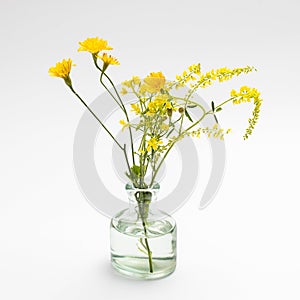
(245, 245)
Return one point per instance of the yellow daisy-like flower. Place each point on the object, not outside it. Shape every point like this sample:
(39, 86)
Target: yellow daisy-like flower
(108, 59)
(94, 45)
(154, 82)
(153, 143)
(62, 69)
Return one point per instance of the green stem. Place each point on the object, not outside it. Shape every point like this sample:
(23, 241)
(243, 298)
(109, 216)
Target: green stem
(104, 127)
(148, 250)
(119, 101)
(143, 205)
(230, 99)
(191, 102)
(128, 166)
(126, 116)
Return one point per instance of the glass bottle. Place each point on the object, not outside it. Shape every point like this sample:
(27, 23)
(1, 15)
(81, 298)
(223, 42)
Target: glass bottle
(143, 238)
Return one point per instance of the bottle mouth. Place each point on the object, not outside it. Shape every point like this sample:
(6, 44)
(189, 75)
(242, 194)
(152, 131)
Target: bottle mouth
(142, 195)
(153, 188)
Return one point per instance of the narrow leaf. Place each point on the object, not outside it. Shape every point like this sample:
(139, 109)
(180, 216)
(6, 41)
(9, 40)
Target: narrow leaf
(191, 106)
(216, 119)
(188, 115)
(213, 105)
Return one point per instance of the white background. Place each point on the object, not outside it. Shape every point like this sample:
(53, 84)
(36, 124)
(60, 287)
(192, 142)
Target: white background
(54, 245)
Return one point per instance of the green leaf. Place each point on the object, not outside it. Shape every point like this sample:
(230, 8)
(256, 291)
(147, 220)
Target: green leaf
(136, 170)
(216, 119)
(191, 106)
(213, 105)
(218, 109)
(187, 114)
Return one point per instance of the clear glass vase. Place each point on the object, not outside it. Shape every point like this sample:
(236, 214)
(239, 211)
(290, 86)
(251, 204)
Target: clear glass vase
(143, 238)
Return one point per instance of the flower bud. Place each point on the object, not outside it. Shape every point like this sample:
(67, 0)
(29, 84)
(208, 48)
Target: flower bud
(181, 110)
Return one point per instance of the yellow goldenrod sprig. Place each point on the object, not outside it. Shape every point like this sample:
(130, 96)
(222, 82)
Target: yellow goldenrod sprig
(188, 75)
(215, 132)
(206, 79)
(247, 94)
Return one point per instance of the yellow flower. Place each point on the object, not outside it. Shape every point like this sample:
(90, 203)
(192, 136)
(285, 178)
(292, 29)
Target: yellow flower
(127, 83)
(245, 94)
(136, 108)
(178, 77)
(233, 93)
(136, 79)
(62, 69)
(151, 108)
(124, 124)
(94, 45)
(160, 104)
(143, 89)
(123, 91)
(108, 59)
(195, 69)
(154, 82)
(168, 105)
(153, 143)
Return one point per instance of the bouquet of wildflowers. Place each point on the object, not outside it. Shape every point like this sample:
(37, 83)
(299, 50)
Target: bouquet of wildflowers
(161, 113)
(163, 118)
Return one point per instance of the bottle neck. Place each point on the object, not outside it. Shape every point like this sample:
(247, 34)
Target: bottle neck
(141, 197)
